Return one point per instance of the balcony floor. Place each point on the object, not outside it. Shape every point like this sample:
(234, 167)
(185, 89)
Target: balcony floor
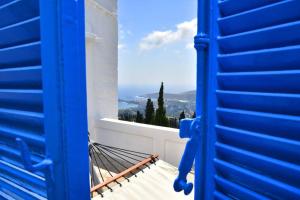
(155, 183)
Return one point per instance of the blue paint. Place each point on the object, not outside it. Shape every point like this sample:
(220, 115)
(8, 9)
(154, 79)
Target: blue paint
(245, 141)
(248, 100)
(42, 97)
(189, 128)
(64, 83)
(43, 166)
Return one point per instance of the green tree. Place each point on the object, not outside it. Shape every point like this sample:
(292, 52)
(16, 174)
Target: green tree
(139, 117)
(173, 122)
(126, 116)
(194, 115)
(149, 112)
(160, 115)
(182, 116)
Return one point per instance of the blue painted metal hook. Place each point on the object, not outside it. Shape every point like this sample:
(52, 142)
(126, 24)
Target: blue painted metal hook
(26, 158)
(189, 128)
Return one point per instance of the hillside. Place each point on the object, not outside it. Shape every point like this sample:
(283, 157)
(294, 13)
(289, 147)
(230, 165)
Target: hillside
(174, 103)
(183, 96)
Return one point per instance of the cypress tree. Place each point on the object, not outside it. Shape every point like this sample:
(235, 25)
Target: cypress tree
(149, 112)
(160, 115)
(182, 116)
(126, 116)
(194, 115)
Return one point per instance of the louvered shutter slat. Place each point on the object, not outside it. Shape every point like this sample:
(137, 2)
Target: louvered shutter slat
(275, 147)
(255, 181)
(230, 7)
(25, 31)
(236, 190)
(261, 81)
(273, 124)
(270, 37)
(258, 101)
(257, 106)
(12, 156)
(39, 118)
(22, 55)
(220, 196)
(22, 77)
(21, 101)
(260, 163)
(18, 192)
(18, 11)
(268, 15)
(266, 59)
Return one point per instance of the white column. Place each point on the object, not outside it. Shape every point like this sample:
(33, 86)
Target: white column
(102, 60)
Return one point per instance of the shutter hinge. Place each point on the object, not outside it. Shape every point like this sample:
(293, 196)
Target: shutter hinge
(189, 128)
(44, 166)
(201, 41)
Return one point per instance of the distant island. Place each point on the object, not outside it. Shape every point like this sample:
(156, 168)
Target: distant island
(175, 104)
(183, 96)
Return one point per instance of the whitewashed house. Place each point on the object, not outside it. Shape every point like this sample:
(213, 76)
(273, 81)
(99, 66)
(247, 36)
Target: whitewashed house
(102, 88)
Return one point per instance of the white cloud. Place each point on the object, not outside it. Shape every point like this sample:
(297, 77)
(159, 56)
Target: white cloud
(184, 32)
(124, 33)
(189, 46)
(121, 46)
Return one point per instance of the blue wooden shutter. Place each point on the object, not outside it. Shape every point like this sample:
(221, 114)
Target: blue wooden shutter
(42, 100)
(253, 134)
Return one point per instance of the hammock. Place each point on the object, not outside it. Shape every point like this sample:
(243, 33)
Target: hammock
(110, 166)
(111, 169)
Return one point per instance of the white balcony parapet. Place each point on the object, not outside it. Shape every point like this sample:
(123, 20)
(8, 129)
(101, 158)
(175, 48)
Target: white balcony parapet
(140, 137)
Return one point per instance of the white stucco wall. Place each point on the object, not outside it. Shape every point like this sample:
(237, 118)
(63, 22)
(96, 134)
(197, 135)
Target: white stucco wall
(102, 59)
(141, 137)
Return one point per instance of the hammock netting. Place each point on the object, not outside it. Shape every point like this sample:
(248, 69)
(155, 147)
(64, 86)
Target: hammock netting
(109, 166)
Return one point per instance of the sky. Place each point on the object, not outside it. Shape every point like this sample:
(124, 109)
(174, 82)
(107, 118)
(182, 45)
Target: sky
(156, 43)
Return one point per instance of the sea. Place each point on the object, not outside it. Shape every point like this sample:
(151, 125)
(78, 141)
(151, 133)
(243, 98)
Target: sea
(129, 93)
(132, 92)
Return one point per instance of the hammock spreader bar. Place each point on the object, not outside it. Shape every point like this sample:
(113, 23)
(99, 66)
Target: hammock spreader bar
(124, 173)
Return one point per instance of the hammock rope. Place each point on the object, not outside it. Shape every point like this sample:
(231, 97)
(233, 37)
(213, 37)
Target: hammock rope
(113, 165)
